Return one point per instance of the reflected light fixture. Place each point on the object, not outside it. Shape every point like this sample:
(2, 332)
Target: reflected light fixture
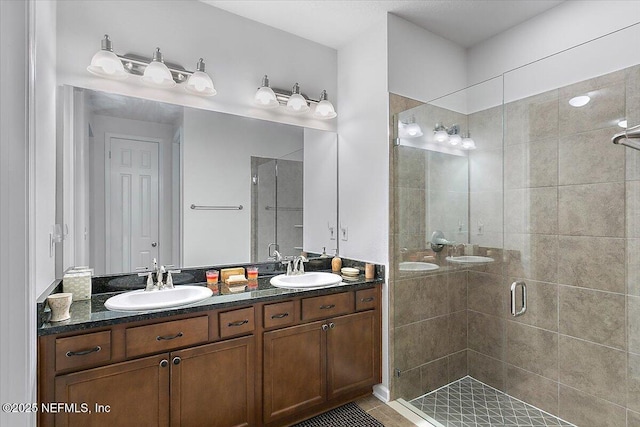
(467, 142)
(105, 63)
(324, 110)
(579, 101)
(155, 72)
(293, 101)
(297, 104)
(440, 133)
(265, 97)
(623, 123)
(199, 83)
(409, 129)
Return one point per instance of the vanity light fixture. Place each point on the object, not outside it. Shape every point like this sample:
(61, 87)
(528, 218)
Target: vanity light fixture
(409, 129)
(440, 133)
(265, 97)
(199, 83)
(105, 63)
(449, 134)
(293, 101)
(579, 101)
(297, 104)
(155, 72)
(623, 123)
(467, 142)
(324, 110)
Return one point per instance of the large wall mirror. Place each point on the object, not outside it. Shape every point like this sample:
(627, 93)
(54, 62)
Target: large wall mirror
(140, 179)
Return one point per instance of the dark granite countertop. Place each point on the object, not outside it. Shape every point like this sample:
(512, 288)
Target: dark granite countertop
(92, 313)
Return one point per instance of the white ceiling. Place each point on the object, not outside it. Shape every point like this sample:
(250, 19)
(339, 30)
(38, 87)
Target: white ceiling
(334, 23)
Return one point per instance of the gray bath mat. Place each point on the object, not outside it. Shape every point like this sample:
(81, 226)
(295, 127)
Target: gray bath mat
(349, 415)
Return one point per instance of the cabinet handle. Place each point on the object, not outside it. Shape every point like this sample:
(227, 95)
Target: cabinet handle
(238, 323)
(176, 360)
(325, 327)
(369, 299)
(332, 325)
(164, 363)
(280, 316)
(327, 307)
(168, 337)
(85, 352)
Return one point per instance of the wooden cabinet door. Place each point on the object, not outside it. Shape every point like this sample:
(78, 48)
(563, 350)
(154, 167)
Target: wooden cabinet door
(294, 374)
(213, 385)
(353, 353)
(136, 392)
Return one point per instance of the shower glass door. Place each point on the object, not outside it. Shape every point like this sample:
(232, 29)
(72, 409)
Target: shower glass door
(553, 220)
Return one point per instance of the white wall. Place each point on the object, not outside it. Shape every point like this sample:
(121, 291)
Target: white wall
(45, 140)
(566, 25)
(422, 65)
(320, 191)
(237, 51)
(217, 149)
(17, 296)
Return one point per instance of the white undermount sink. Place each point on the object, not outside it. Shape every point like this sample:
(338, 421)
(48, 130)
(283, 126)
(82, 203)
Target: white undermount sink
(311, 280)
(142, 300)
(417, 266)
(469, 259)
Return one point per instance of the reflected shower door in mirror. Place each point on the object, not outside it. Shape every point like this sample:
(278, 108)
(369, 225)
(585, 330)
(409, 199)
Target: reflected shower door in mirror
(141, 179)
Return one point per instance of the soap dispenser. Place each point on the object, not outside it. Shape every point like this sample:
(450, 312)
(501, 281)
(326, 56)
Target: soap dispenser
(336, 263)
(324, 253)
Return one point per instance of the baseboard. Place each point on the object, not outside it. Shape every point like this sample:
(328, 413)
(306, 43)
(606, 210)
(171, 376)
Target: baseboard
(381, 392)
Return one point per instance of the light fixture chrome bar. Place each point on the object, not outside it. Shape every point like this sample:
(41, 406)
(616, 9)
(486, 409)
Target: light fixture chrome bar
(625, 137)
(283, 96)
(216, 208)
(135, 64)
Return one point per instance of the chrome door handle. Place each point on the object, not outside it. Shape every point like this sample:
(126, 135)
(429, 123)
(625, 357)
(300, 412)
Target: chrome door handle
(523, 308)
(154, 244)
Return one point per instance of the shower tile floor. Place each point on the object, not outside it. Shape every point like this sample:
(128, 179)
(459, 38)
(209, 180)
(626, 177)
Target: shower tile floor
(471, 403)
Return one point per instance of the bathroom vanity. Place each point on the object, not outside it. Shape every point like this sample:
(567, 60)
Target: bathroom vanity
(267, 357)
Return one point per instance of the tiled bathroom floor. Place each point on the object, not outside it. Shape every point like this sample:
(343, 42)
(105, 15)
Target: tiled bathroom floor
(383, 412)
(471, 403)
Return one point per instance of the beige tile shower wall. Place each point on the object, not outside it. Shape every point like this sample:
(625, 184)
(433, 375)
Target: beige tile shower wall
(572, 232)
(428, 313)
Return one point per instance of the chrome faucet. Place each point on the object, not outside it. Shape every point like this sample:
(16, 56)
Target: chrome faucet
(159, 271)
(298, 265)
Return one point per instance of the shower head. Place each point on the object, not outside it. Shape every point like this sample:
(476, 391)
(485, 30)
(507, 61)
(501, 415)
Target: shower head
(629, 137)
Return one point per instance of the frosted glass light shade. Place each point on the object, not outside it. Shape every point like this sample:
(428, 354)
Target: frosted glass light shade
(199, 83)
(297, 104)
(107, 64)
(158, 75)
(324, 110)
(441, 136)
(265, 98)
(468, 144)
(579, 101)
(455, 139)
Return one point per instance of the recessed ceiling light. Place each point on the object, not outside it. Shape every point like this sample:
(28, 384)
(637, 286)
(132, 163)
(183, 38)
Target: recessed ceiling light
(623, 123)
(579, 101)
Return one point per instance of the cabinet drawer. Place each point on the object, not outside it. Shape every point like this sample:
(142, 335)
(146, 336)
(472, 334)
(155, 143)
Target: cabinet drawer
(279, 314)
(83, 350)
(327, 306)
(237, 322)
(166, 336)
(366, 299)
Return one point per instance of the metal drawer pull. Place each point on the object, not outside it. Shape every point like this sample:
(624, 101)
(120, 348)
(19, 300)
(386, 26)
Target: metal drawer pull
(523, 309)
(164, 363)
(332, 325)
(327, 307)
(176, 360)
(367, 299)
(238, 323)
(280, 316)
(325, 327)
(169, 337)
(85, 352)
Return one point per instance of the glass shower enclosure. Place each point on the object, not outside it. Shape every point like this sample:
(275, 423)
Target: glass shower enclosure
(515, 259)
